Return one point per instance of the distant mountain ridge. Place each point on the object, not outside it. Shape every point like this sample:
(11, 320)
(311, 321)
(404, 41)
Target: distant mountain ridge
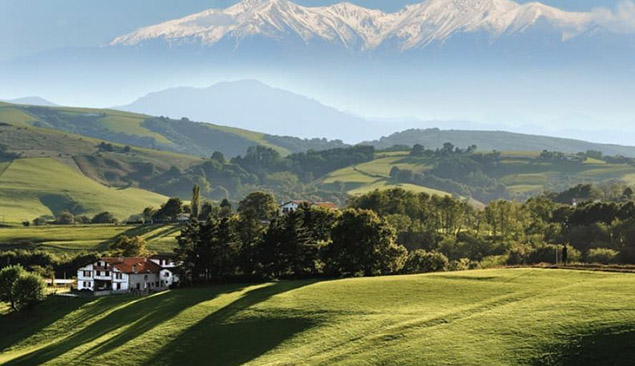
(250, 104)
(33, 100)
(357, 28)
(496, 140)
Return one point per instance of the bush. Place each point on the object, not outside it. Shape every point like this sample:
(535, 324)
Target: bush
(8, 276)
(519, 254)
(28, 290)
(602, 255)
(20, 288)
(463, 264)
(421, 261)
(104, 218)
(494, 261)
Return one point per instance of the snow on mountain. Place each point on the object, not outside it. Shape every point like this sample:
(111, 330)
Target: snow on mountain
(357, 27)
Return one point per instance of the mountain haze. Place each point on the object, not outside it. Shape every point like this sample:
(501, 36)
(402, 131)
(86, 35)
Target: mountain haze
(250, 104)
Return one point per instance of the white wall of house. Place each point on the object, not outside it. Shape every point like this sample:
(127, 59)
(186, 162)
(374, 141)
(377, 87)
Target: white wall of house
(167, 278)
(119, 280)
(143, 281)
(85, 278)
(288, 207)
(164, 263)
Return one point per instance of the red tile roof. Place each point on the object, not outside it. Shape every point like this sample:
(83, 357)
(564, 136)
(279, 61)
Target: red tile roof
(133, 264)
(329, 205)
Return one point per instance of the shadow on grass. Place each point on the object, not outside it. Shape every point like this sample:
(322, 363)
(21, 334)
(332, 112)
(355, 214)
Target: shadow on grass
(16, 326)
(220, 339)
(614, 347)
(140, 315)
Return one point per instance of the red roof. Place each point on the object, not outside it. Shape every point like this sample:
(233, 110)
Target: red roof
(329, 205)
(133, 264)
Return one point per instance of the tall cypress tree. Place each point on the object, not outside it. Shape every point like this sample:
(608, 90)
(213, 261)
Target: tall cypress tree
(196, 200)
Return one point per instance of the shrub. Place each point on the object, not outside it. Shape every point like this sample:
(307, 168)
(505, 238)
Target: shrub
(28, 290)
(462, 264)
(519, 254)
(494, 261)
(602, 255)
(421, 261)
(104, 218)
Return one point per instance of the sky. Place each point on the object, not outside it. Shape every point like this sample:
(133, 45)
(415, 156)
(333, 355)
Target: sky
(31, 26)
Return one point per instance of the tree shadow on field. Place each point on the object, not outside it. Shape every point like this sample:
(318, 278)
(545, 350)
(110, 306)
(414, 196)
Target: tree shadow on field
(610, 347)
(220, 340)
(16, 326)
(138, 314)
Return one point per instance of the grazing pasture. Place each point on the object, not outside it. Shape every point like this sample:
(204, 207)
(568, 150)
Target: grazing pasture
(75, 238)
(483, 317)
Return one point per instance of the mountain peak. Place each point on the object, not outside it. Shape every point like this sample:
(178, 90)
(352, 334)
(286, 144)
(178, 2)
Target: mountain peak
(356, 27)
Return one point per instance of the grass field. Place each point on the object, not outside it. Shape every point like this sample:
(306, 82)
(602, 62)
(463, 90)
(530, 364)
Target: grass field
(74, 238)
(42, 186)
(486, 317)
(519, 171)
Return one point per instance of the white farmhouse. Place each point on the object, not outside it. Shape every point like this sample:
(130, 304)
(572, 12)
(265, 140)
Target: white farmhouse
(290, 206)
(122, 274)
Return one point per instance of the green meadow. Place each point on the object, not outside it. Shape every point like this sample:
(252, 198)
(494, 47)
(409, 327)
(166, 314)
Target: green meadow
(519, 171)
(75, 238)
(483, 317)
(43, 186)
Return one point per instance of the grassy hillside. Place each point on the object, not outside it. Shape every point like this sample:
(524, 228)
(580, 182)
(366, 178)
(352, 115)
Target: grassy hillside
(496, 140)
(519, 171)
(183, 136)
(69, 239)
(30, 187)
(375, 174)
(487, 317)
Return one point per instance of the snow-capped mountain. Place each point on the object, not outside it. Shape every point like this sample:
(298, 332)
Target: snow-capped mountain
(359, 28)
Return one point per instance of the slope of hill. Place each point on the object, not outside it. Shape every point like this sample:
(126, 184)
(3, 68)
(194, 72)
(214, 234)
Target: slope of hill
(183, 136)
(523, 174)
(34, 100)
(484, 317)
(43, 186)
(65, 239)
(496, 140)
(250, 104)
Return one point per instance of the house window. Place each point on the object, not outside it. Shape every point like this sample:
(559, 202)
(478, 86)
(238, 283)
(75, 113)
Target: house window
(107, 273)
(86, 273)
(167, 274)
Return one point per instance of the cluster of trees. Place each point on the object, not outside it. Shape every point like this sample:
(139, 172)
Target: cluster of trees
(21, 289)
(508, 232)
(106, 146)
(65, 217)
(262, 168)
(462, 172)
(256, 242)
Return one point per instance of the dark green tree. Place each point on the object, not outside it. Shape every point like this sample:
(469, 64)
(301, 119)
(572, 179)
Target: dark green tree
(8, 276)
(363, 244)
(196, 201)
(28, 290)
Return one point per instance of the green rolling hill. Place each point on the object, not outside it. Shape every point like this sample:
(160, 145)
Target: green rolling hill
(182, 136)
(522, 173)
(484, 317)
(33, 187)
(433, 138)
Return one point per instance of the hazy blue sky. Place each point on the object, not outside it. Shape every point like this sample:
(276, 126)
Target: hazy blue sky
(29, 26)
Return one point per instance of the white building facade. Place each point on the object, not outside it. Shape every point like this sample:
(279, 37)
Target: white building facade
(123, 274)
